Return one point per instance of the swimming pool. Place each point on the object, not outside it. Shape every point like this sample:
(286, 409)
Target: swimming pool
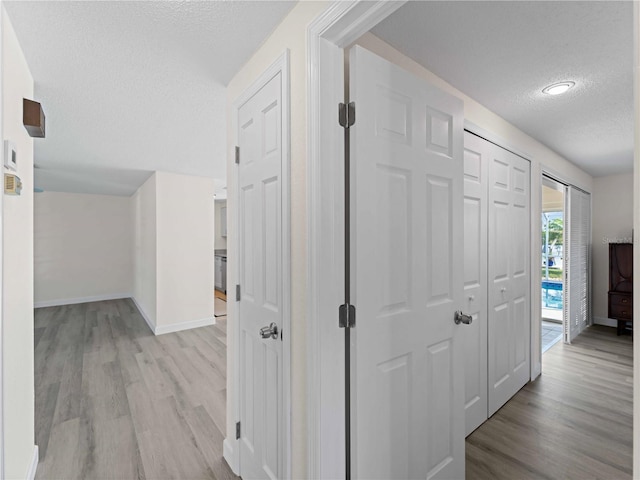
(552, 294)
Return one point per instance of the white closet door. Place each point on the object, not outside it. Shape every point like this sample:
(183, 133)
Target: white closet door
(474, 337)
(509, 276)
(578, 306)
(407, 274)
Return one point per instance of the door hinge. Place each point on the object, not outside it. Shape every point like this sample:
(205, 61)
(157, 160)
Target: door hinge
(237, 293)
(347, 316)
(347, 114)
(237, 430)
(237, 154)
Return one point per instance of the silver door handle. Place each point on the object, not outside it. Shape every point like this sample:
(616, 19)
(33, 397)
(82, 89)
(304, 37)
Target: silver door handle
(270, 331)
(462, 318)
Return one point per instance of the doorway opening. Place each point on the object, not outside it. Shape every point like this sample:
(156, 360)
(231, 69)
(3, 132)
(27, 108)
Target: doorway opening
(552, 262)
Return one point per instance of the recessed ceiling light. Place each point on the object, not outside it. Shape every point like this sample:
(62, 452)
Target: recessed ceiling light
(558, 88)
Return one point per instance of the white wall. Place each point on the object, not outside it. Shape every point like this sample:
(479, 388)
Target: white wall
(82, 247)
(156, 246)
(173, 252)
(185, 258)
(612, 219)
(144, 250)
(220, 241)
(17, 292)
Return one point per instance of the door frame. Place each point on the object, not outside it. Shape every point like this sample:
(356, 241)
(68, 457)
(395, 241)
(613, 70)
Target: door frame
(562, 180)
(231, 451)
(565, 261)
(2, 376)
(340, 25)
(327, 35)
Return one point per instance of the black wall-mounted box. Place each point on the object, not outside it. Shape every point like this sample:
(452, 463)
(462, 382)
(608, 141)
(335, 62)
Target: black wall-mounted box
(33, 118)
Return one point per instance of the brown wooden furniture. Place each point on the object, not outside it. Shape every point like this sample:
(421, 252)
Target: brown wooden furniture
(621, 285)
(33, 118)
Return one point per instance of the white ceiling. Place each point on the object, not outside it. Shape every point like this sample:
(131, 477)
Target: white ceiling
(133, 87)
(503, 54)
(552, 200)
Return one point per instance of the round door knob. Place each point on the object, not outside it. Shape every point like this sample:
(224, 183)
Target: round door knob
(463, 318)
(270, 331)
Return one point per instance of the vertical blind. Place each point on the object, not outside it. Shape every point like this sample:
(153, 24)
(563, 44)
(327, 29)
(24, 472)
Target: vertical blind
(578, 263)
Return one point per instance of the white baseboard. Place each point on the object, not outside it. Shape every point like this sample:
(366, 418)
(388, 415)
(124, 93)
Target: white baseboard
(31, 473)
(150, 323)
(172, 327)
(228, 453)
(179, 326)
(156, 329)
(609, 322)
(73, 301)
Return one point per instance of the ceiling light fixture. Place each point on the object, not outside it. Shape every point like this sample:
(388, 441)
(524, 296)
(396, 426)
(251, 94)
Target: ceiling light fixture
(558, 88)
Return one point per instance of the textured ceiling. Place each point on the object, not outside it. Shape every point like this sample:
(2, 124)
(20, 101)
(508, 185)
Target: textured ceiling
(503, 54)
(133, 87)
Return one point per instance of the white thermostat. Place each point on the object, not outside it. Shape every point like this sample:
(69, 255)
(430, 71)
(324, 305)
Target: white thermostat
(10, 156)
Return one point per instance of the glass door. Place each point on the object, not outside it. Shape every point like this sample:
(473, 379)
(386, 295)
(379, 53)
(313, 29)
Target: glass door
(552, 261)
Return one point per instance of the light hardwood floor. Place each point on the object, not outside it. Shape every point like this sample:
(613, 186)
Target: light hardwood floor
(113, 401)
(573, 422)
(220, 295)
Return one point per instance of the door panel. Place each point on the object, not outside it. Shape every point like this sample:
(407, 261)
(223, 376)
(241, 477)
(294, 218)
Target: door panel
(259, 176)
(394, 217)
(474, 336)
(509, 276)
(407, 275)
(521, 344)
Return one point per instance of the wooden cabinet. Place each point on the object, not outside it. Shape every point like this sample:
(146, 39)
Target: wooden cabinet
(621, 285)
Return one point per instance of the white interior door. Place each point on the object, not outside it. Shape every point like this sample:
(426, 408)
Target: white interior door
(407, 275)
(260, 260)
(509, 328)
(474, 337)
